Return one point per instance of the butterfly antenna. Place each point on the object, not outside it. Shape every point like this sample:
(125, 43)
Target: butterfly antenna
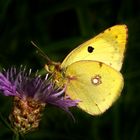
(41, 52)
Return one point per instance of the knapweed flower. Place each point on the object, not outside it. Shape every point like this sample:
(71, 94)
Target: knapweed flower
(31, 93)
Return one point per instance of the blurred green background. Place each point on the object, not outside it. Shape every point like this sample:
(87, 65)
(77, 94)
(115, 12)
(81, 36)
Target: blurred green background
(58, 26)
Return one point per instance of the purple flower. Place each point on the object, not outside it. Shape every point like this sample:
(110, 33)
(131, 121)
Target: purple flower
(23, 85)
(31, 94)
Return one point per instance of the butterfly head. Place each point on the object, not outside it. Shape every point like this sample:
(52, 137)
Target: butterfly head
(57, 74)
(52, 67)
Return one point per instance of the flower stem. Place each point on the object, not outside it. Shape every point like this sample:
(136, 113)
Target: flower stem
(16, 136)
(6, 123)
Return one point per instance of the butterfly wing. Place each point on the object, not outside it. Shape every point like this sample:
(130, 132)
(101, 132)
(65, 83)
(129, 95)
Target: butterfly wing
(107, 47)
(95, 84)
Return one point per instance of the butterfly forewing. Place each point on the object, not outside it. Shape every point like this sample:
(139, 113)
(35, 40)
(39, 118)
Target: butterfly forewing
(107, 47)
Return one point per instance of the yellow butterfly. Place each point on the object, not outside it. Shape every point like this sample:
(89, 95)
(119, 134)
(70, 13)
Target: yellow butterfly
(91, 71)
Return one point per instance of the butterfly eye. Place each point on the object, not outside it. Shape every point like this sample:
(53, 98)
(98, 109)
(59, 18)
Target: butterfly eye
(90, 49)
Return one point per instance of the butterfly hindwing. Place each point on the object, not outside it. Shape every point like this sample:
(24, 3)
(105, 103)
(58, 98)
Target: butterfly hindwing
(95, 84)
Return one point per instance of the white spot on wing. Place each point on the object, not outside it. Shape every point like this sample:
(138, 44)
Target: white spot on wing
(96, 80)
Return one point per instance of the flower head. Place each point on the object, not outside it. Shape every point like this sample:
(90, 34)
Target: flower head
(31, 94)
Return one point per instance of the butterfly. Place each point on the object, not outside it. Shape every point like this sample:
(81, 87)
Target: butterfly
(91, 72)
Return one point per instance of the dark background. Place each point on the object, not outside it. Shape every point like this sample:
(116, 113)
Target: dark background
(58, 26)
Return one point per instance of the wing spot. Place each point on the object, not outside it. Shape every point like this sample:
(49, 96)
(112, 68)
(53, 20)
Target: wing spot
(90, 49)
(100, 64)
(96, 80)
